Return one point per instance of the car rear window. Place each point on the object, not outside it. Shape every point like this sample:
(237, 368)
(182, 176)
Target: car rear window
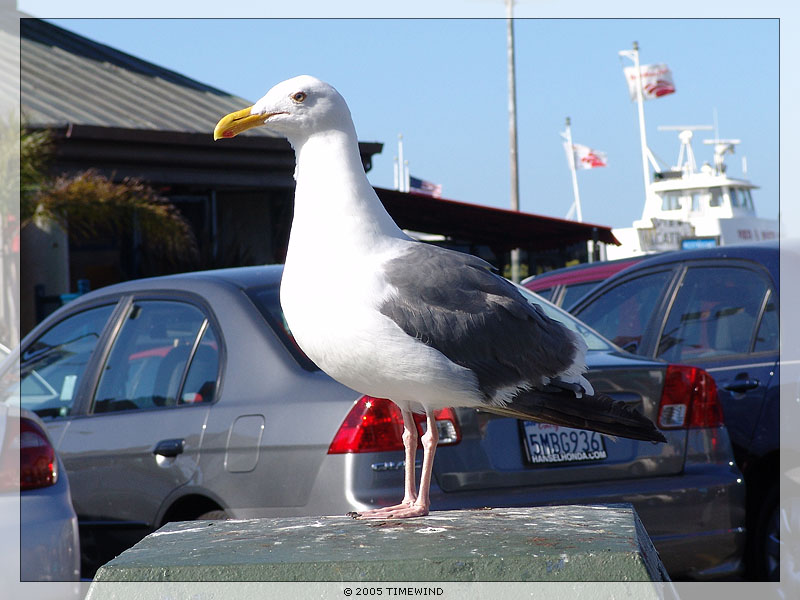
(267, 300)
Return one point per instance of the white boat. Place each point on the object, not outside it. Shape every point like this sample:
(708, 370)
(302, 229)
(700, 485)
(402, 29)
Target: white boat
(686, 207)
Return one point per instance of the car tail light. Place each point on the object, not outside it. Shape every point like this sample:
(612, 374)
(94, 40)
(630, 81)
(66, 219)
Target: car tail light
(37, 458)
(446, 423)
(689, 399)
(376, 425)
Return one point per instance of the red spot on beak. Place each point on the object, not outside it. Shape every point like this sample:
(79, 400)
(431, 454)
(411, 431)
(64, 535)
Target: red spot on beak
(228, 133)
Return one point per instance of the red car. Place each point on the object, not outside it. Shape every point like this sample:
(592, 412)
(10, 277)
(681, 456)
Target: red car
(563, 287)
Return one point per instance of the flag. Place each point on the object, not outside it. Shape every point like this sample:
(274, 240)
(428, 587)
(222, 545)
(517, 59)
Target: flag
(656, 81)
(420, 186)
(584, 157)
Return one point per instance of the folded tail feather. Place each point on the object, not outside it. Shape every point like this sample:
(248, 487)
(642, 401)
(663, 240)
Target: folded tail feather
(599, 413)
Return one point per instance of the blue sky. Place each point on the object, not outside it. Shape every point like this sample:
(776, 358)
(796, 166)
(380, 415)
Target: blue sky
(442, 83)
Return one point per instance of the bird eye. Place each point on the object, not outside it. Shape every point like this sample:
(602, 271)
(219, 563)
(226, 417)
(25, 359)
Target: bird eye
(299, 96)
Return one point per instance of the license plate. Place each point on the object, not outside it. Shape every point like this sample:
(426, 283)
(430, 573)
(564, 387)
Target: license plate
(549, 444)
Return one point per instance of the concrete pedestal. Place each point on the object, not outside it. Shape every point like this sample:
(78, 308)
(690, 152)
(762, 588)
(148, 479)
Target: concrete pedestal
(563, 543)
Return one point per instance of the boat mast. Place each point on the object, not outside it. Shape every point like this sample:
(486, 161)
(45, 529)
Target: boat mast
(634, 56)
(571, 157)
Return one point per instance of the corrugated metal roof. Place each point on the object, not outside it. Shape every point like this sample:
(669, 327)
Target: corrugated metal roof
(66, 78)
(9, 61)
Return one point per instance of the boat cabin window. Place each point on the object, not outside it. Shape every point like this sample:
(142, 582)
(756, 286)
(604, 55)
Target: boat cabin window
(741, 198)
(677, 200)
(697, 196)
(671, 201)
(716, 197)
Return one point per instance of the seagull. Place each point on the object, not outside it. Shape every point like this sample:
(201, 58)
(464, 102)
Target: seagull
(392, 317)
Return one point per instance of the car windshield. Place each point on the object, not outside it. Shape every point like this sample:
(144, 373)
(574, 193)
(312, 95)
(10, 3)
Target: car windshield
(593, 339)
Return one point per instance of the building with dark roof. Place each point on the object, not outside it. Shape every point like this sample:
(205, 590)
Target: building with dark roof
(126, 117)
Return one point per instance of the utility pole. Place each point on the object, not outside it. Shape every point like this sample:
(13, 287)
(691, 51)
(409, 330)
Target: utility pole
(512, 130)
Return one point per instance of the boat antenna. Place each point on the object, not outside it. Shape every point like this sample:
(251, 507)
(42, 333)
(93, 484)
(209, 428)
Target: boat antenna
(686, 161)
(721, 148)
(716, 124)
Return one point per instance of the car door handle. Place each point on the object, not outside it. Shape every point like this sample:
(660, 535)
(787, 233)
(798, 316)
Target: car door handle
(169, 448)
(742, 385)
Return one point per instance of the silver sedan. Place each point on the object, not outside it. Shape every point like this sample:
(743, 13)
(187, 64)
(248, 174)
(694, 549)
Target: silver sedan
(185, 397)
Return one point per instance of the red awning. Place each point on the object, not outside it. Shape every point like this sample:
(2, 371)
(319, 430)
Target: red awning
(501, 229)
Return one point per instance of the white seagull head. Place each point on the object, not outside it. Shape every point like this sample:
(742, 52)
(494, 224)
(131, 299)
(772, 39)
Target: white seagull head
(296, 108)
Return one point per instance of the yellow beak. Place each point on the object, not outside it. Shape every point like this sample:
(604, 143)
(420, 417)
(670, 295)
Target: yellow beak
(237, 122)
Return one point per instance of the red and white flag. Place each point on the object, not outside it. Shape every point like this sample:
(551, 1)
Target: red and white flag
(656, 81)
(584, 157)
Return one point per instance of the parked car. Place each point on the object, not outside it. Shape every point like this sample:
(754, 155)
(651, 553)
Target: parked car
(563, 287)
(184, 397)
(39, 524)
(715, 308)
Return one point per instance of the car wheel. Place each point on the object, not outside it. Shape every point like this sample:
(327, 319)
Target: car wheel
(767, 539)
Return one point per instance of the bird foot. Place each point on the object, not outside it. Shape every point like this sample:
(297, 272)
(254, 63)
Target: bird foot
(404, 510)
(379, 513)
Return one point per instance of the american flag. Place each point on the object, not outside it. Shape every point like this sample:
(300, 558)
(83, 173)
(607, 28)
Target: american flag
(420, 186)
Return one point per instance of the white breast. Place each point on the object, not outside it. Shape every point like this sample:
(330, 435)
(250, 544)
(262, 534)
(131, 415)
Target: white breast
(335, 318)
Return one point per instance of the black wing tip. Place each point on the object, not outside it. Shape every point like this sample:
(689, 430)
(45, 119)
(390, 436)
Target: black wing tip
(598, 412)
(644, 429)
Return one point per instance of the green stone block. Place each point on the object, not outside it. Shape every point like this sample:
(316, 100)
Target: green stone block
(550, 543)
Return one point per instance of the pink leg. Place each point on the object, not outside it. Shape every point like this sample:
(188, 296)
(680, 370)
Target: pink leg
(421, 506)
(429, 442)
(410, 445)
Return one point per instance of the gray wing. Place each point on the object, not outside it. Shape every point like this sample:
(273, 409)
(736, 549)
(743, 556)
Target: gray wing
(479, 320)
